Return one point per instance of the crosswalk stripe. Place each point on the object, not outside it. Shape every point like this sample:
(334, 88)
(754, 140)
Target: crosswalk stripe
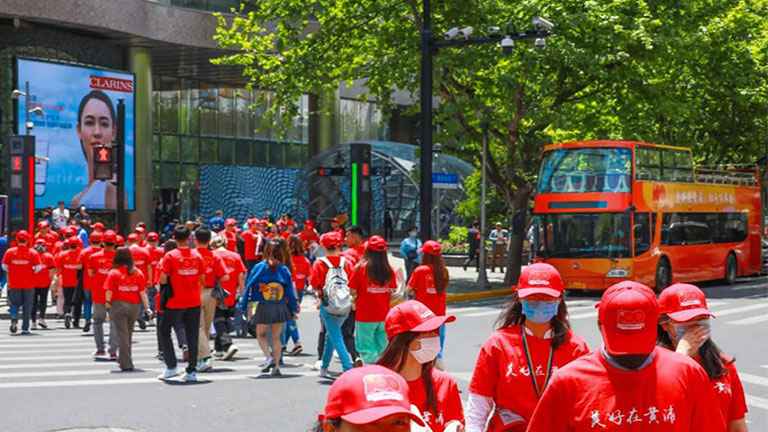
(754, 379)
(732, 311)
(583, 315)
(10, 355)
(112, 370)
(757, 402)
(486, 313)
(751, 320)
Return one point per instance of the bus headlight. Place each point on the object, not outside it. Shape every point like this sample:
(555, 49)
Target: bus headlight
(617, 273)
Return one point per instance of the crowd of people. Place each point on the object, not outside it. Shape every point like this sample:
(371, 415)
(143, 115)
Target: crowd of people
(657, 368)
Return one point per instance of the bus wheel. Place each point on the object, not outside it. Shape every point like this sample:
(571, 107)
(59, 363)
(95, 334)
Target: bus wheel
(731, 270)
(663, 275)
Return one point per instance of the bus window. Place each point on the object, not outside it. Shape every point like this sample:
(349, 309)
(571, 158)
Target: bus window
(642, 232)
(585, 170)
(585, 235)
(676, 166)
(647, 163)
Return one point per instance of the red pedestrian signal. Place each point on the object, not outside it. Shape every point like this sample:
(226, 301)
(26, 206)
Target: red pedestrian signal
(16, 163)
(103, 168)
(104, 155)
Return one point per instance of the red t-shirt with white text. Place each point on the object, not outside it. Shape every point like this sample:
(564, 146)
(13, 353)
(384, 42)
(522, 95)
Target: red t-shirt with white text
(21, 262)
(125, 287)
(184, 267)
(729, 392)
(446, 391)
(372, 302)
(234, 267)
(67, 263)
(423, 282)
(214, 267)
(142, 259)
(43, 277)
(101, 263)
(84, 259)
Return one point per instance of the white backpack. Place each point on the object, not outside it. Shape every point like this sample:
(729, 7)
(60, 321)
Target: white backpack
(337, 299)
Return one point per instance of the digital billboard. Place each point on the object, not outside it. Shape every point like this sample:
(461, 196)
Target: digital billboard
(79, 111)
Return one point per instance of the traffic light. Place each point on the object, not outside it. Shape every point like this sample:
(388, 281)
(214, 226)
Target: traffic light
(103, 164)
(360, 185)
(330, 171)
(21, 182)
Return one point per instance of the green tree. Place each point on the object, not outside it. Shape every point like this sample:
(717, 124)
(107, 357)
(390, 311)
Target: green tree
(688, 73)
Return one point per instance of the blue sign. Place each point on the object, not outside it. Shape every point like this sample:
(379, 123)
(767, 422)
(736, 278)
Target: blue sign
(445, 181)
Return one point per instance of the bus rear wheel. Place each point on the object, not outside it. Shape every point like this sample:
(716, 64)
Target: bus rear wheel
(663, 275)
(731, 270)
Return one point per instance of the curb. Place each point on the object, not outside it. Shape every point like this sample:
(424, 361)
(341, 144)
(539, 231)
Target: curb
(454, 298)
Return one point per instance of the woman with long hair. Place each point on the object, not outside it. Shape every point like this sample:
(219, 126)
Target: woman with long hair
(371, 285)
(428, 284)
(125, 289)
(301, 272)
(515, 363)
(271, 285)
(414, 342)
(684, 327)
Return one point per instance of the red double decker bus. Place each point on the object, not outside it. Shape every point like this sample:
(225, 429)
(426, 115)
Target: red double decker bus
(608, 211)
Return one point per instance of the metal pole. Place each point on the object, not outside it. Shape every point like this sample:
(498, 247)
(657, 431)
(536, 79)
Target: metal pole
(425, 181)
(26, 107)
(482, 277)
(120, 157)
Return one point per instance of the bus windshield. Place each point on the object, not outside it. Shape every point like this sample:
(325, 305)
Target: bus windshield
(591, 169)
(584, 235)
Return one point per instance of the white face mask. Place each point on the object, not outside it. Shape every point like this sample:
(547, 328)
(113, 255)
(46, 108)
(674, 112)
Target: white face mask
(430, 348)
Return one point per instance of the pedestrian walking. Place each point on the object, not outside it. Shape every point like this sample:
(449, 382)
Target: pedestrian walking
(43, 280)
(271, 285)
(372, 285)
(254, 241)
(330, 278)
(98, 266)
(355, 244)
(143, 261)
(125, 288)
(215, 271)
(389, 224)
(368, 399)
(428, 285)
(413, 331)
(409, 251)
(67, 265)
(185, 269)
(517, 361)
(685, 327)
(234, 285)
(302, 270)
(178, 326)
(629, 384)
(155, 254)
(230, 233)
(473, 240)
(499, 238)
(95, 246)
(21, 262)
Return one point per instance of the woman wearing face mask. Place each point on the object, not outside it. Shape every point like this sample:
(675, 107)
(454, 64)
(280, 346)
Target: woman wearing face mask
(409, 251)
(414, 343)
(684, 326)
(516, 362)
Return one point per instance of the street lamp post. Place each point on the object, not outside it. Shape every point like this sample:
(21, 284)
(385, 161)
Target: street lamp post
(482, 276)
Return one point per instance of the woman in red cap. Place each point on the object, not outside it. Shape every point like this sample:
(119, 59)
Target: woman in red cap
(372, 284)
(414, 343)
(516, 362)
(43, 280)
(428, 284)
(684, 326)
(67, 265)
(368, 399)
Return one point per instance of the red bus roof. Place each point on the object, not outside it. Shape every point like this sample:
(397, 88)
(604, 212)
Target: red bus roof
(605, 143)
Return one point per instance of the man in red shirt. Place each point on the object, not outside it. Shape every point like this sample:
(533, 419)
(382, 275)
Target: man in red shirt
(67, 265)
(253, 240)
(98, 266)
(94, 247)
(355, 246)
(44, 232)
(155, 253)
(309, 235)
(234, 284)
(185, 269)
(629, 384)
(230, 233)
(143, 261)
(214, 270)
(336, 226)
(21, 263)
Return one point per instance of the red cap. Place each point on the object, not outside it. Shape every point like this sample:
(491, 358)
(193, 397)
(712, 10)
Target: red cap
(96, 237)
(290, 222)
(39, 242)
(109, 237)
(412, 315)
(331, 239)
(73, 243)
(230, 221)
(70, 231)
(629, 314)
(120, 240)
(98, 226)
(43, 224)
(140, 229)
(22, 236)
(309, 224)
(368, 394)
(133, 237)
(683, 302)
(280, 223)
(152, 236)
(335, 220)
(539, 278)
(431, 247)
(377, 244)
(252, 221)
(263, 222)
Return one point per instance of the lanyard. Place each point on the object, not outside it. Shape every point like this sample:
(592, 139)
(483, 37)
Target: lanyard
(530, 364)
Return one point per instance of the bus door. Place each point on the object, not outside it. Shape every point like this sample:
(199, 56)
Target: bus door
(644, 265)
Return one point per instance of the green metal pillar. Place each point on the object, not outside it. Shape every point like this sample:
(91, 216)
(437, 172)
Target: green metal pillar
(139, 62)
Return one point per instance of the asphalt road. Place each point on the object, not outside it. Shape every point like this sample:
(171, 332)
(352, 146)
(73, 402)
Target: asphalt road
(49, 382)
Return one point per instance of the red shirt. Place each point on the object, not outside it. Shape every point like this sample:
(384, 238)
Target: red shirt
(214, 267)
(101, 263)
(302, 270)
(84, 256)
(184, 266)
(155, 253)
(66, 264)
(234, 267)
(142, 259)
(231, 240)
(21, 262)
(372, 302)
(729, 392)
(43, 277)
(449, 406)
(355, 254)
(319, 270)
(671, 394)
(309, 237)
(125, 287)
(502, 373)
(253, 241)
(50, 238)
(423, 282)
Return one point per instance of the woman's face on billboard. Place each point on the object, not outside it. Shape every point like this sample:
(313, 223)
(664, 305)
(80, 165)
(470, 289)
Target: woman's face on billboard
(95, 127)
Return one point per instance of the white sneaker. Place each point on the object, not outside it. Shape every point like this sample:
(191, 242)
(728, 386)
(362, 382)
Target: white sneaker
(189, 377)
(317, 366)
(168, 374)
(231, 351)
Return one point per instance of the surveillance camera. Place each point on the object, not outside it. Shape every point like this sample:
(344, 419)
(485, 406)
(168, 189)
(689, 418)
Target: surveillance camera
(17, 93)
(493, 30)
(466, 32)
(539, 24)
(30, 125)
(507, 45)
(37, 110)
(540, 43)
(452, 33)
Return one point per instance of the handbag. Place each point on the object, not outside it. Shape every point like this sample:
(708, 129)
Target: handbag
(220, 294)
(166, 293)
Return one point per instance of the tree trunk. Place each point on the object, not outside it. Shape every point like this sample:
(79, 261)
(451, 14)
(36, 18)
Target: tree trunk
(519, 207)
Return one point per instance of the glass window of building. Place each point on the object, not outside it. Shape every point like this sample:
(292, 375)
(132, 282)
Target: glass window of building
(170, 148)
(208, 150)
(169, 104)
(259, 154)
(226, 111)
(359, 120)
(190, 107)
(277, 154)
(226, 152)
(209, 108)
(242, 113)
(190, 151)
(242, 152)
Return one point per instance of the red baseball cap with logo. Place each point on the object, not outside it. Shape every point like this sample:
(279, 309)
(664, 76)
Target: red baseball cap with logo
(629, 314)
(262, 222)
(335, 220)
(230, 221)
(70, 231)
(152, 236)
(98, 226)
(539, 278)
(40, 242)
(140, 229)
(331, 240)
(252, 221)
(109, 237)
(414, 316)
(22, 236)
(133, 237)
(376, 244)
(431, 247)
(683, 302)
(280, 223)
(120, 240)
(43, 224)
(308, 224)
(96, 237)
(73, 242)
(368, 394)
